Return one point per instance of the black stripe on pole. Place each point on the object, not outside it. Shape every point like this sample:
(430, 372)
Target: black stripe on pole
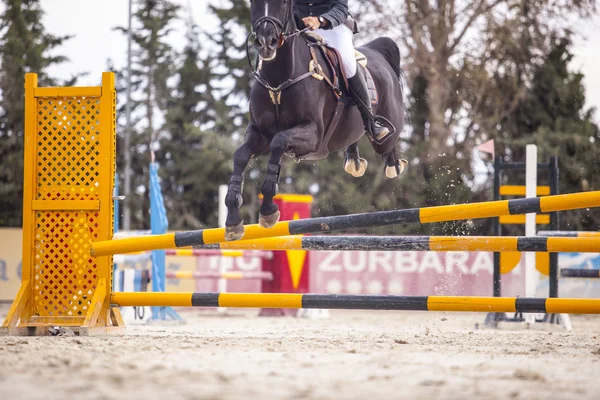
(357, 243)
(350, 302)
(579, 273)
(191, 238)
(205, 300)
(537, 244)
(526, 304)
(380, 218)
(524, 206)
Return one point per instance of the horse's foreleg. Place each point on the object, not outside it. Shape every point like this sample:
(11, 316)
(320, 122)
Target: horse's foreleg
(353, 164)
(300, 140)
(234, 228)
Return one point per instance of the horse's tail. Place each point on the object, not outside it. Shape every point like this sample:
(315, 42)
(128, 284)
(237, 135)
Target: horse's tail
(390, 51)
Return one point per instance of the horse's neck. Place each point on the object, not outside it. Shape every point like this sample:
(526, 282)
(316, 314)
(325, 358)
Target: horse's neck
(282, 67)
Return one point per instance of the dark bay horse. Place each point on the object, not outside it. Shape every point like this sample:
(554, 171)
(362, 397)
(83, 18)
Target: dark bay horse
(293, 113)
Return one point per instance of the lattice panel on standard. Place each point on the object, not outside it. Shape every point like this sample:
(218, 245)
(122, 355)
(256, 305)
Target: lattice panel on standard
(67, 168)
(67, 148)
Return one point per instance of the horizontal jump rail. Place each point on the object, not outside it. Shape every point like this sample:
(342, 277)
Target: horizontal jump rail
(579, 273)
(419, 243)
(233, 275)
(579, 234)
(218, 252)
(367, 220)
(359, 302)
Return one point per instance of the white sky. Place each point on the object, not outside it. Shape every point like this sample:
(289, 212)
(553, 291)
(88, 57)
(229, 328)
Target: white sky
(92, 23)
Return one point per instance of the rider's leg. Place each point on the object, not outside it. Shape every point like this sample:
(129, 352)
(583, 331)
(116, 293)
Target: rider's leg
(340, 38)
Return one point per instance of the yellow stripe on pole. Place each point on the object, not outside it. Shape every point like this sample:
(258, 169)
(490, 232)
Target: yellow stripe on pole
(570, 201)
(471, 304)
(183, 253)
(234, 275)
(217, 235)
(572, 306)
(588, 234)
(540, 219)
(277, 243)
(473, 243)
(519, 190)
(139, 299)
(258, 300)
(133, 244)
(463, 211)
(573, 245)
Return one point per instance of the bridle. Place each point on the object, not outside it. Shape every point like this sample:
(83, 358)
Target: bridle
(275, 92)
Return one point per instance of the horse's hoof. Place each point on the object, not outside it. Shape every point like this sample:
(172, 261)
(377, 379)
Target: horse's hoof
(392, 171)
(356, 167)
(268, 221)
(235, 232)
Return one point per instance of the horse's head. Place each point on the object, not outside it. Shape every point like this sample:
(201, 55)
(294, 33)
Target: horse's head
(270, 21)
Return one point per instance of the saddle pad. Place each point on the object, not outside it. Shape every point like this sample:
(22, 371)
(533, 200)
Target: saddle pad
(370, 85)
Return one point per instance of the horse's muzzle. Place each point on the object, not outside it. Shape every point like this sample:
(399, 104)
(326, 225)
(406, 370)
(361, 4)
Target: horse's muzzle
(266, 47)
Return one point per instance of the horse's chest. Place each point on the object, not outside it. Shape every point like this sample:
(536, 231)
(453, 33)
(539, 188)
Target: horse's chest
(274, 113)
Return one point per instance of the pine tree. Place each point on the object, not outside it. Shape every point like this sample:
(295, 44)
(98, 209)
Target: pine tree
(152, 65)
(553, 115)
(24, 47)
(194, 159)
(232, 64)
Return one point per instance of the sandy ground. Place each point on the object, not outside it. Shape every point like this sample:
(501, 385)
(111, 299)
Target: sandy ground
(351, 355)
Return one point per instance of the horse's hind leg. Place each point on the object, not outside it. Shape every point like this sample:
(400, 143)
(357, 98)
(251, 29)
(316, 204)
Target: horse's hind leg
(353, 164)
(394, 165)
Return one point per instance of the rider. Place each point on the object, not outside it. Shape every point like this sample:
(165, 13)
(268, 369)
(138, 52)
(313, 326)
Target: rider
(330, 20)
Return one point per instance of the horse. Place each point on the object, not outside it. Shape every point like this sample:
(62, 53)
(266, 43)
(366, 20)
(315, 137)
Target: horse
(294, 112)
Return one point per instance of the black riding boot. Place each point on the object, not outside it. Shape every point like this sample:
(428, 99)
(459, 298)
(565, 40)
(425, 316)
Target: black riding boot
(358, 89)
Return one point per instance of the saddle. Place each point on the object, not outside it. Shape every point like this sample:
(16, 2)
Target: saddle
(334, 63)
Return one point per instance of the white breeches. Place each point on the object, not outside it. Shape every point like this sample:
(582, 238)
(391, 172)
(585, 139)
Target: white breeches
(340, 38)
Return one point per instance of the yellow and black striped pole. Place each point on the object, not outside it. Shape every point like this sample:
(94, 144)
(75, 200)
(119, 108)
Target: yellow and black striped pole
(228, 275)
(580, 273)
(420, 243)
(367, 220)
(359, 302)
(579, 234)
(217, 252)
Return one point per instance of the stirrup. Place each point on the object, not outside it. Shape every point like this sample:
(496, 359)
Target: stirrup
(383, 136)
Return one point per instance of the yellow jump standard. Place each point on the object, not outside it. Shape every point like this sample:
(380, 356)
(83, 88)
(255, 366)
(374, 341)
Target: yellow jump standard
(360, 302)
(367, 220)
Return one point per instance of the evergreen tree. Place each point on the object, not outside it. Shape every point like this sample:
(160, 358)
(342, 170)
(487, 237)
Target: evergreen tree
(194, 159)
(153, 63)
(24, 47)
(234, 74)
(553, 115)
